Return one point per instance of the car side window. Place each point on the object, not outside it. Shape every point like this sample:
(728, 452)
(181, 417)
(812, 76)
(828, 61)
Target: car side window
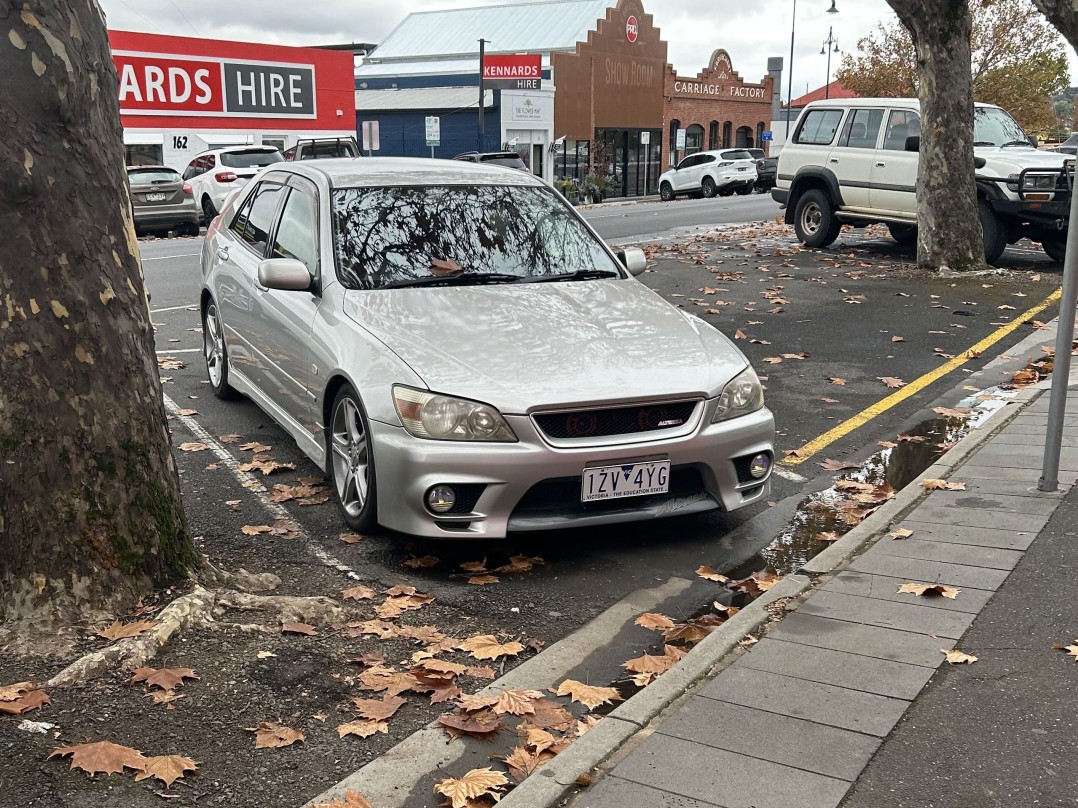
(818, 127)
(257, 216)
(861, 129)
(211, 163)
(688, 162)
(193, 169)
(901, 123)
(707, 158)
(297, 232)
(239, 222)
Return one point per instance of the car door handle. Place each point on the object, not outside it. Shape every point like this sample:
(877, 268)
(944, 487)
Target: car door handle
(222, 253)
(881, 165)
(834, 159)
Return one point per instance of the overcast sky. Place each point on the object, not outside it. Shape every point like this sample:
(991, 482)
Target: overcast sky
(749, 31)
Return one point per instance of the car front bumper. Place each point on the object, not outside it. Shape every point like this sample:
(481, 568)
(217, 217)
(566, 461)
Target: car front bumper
(532, 485)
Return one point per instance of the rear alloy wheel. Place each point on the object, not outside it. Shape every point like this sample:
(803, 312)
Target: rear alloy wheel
(215, 353)
(666, 192)
(350, 463)
(992, 233)
(904, 234)
(708, 187)
(1055, 247)
(814, 219)
(208, 210)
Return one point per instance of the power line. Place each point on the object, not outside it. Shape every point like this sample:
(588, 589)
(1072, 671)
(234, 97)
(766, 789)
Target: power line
(189, 25)
(139, 14)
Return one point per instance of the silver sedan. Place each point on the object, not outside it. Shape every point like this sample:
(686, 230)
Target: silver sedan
(464, 357)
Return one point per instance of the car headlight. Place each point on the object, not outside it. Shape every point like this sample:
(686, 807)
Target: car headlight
(438, 417)
(741, 396)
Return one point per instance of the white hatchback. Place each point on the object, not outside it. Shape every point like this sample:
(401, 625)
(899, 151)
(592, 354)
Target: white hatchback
(722, 172)
(214, 175)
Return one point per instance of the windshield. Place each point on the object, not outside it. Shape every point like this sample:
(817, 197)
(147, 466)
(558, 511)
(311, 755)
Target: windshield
(148, 176)
(393, 235)
(993, 126)
(251, 159)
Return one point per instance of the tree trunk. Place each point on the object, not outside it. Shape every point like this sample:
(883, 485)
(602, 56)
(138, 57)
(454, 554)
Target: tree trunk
(949, 230)
(90, 510)
(1063, 15)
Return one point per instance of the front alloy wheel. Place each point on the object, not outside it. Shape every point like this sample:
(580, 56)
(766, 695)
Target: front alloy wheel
(708, 187)
(351, 464)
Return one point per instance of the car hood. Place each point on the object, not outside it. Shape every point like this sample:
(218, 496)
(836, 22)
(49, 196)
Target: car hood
(1020, 157)
(522, 347)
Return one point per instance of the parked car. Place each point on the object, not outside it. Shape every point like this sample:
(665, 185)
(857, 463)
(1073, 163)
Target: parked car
(463, 356)
(509, 159)
(215, 174)
(1068, 146)
(854, 161)
(322, 147)
(710, 173)
(766, 170)
(161, 201)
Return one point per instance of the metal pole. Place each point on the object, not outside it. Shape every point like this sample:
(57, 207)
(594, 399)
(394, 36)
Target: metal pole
(1057, 405)
(827, 81)
(790, 85)
(482, 93)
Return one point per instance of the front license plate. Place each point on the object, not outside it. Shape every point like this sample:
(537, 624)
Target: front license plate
(629, 480)
(155, 197)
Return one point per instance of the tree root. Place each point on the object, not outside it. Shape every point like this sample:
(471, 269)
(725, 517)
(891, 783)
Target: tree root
(242, 580)
(194, 609)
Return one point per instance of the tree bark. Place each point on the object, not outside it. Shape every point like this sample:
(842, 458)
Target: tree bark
(1063, 14)
(948, 227)
(90, 509)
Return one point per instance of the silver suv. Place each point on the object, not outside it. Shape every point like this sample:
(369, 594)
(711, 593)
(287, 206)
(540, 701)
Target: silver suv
(854, 161)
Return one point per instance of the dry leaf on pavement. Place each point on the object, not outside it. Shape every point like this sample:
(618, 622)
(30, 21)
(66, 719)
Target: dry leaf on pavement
(550, 715)
(483, 580)
(192, 447)
(474, 566)
(709, 574)
(829, 535)
(942, 485)
(352, 799)
(836, 465)
(255, 447)
(271, 735)
(101, 756)
(522, 763)
(120, 631)
(928, 590)
(22, 697)
(477, 725)
(424, 563)
(392, 682)
(957, 657)
(358, 593)
(166, 768)
(836, 380)
(901, 533)
(588, 695)
(362, 728)
(254, 530)
(654, 621)
(299, 628)
(165, 678)
(951, 412)
(350, 538)
(891, 381)
(486, 646)
(476, 783)
(381, 709)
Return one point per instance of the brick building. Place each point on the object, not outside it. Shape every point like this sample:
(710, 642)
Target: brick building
(716, 108)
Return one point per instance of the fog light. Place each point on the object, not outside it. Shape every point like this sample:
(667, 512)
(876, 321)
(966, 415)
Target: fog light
(759, 466)
(441, 499)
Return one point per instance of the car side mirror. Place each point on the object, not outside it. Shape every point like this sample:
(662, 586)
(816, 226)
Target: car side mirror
(284, 274)
(634, 260)
(1033, 141)
(913, 143)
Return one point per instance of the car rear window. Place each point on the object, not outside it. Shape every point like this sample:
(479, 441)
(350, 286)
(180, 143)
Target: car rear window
(148, 176)
(740, 154)
(512, 161)
(251, 159)
(819, 127)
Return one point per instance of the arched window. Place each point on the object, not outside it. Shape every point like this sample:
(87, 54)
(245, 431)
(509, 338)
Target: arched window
(694, 139)
(672, 145)
(727, 128)
(759, 135)
(744, 137)
(713, 135)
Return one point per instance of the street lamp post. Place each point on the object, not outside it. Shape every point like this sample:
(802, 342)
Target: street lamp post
(827, 48)
(790, 85)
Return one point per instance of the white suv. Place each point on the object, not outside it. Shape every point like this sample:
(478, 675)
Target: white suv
(213, 175)
(709, 173)
(854, 161)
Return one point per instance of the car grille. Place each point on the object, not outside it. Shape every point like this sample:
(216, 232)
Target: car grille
(561, 496)
(583, 424)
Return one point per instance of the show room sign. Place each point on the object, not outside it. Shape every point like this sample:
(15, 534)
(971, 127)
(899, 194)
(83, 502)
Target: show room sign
(159, 84)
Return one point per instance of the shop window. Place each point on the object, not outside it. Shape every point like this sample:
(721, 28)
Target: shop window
(694, 139)
(744, 137)
(713, 136)
(143, 155)
(674, 126)
(759, 135)
(727, 128)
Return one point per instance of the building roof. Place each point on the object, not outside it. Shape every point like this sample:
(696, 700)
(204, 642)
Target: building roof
(835, 89)
(520, 28)
(425, 67)
(432, 98)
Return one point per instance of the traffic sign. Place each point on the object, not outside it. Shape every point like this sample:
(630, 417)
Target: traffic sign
(645, 138)
(680, 142)
(434, 130)
(370, 136)
(766, 135)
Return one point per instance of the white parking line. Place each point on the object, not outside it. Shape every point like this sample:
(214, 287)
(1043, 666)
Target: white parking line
(793, 476)
(167, 257)
(188, 307)
(180, 350)
(252, 484)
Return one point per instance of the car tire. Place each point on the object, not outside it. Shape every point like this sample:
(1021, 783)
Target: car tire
(707, 186)
(744, 190)
(350, 462)
(814, 219)
(190, 229)
(1055, 247)
(666, 192)
(208, 210)
(215, 352)
(904, 234)
(993, 233)
(725, 191)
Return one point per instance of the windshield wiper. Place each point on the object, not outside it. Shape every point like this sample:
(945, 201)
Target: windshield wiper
(581, 275)
(461, 278)
(1017, 143)
(983, 143)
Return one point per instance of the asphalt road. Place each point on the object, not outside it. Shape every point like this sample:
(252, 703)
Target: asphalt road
(842, 307)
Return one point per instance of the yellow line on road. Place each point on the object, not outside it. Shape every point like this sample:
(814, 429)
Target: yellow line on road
(914, 387)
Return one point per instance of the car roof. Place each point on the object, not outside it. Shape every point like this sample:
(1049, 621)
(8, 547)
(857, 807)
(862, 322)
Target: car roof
(355, 172)
(875, 102)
